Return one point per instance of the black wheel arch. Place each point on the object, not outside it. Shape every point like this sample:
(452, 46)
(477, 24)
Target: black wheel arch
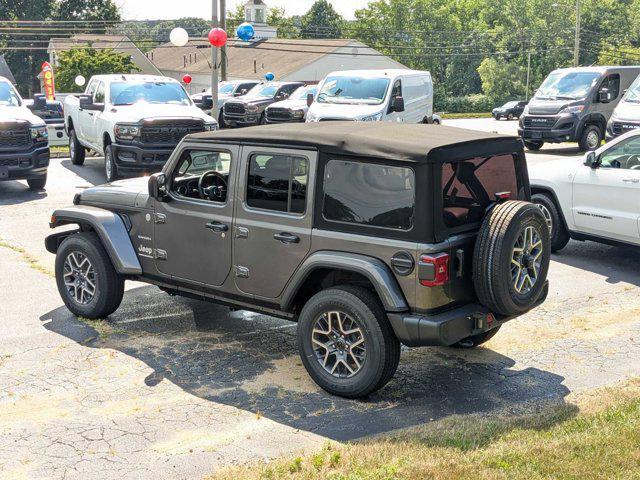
(549, 191)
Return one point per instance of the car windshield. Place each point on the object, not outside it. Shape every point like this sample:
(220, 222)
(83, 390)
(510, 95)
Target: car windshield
(353, 90)
(225, 88)
(263, 91)
(633, 94)
(510, 104)
(128, 93)
(303, 92)
(567, 85)
(8, 95)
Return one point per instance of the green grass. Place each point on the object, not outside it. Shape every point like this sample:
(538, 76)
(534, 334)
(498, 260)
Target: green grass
(466, 115)
(32, 261)
(557, 441)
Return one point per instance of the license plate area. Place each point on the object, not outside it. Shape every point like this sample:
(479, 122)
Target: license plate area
(535, 134)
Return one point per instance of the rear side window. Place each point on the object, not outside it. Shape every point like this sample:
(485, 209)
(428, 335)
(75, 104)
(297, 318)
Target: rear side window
(470, 186)
(278, 183)
(369, 194)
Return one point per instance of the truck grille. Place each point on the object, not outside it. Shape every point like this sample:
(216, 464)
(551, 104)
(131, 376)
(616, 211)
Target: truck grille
(168, 134)
(620, 128)
(234, 108)
(15, 138)
(279, 114)
(539, 122)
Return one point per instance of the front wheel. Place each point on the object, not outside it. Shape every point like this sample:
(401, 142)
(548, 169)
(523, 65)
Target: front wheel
(510, 117)
(590, 139)
(110, 167)
(346, 342)
(37, 183)
(87, 282)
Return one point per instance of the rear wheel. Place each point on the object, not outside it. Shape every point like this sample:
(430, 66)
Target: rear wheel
(37, 183)
(558, 232)
(591, 138)
(346, 342)
(76, 150)
(533, 146)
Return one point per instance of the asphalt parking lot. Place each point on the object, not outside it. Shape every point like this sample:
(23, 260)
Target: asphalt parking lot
(173, 385)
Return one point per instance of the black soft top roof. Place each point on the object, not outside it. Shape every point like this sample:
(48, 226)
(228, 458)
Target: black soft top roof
(394, 141)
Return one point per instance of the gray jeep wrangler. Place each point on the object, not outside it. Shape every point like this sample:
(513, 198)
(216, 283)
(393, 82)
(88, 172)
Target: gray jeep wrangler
(368, 235)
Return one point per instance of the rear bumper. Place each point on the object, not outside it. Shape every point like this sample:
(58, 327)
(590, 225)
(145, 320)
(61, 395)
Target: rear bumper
(137, 158)
(24, 165)
(448, 328)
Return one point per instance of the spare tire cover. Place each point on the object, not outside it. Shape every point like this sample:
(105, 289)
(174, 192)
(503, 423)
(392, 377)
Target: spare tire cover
(511, 258)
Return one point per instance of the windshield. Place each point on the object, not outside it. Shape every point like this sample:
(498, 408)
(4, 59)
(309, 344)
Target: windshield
(353, 90)
(510, 104)
(633, 94)
(302, 92)
(225, 88)
(128, 93)
(8, 95)
(567, 85)
(263, 91)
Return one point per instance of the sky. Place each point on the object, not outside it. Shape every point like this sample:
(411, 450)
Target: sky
(163, 9)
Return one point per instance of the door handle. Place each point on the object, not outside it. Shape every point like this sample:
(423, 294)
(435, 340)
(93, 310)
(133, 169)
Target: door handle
(631, 180)
(287, 238)
(217, 227)
(90, 114)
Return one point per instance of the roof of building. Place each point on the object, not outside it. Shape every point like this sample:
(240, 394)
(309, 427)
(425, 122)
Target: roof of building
(5, 71)
(389, 140)
(283, 56)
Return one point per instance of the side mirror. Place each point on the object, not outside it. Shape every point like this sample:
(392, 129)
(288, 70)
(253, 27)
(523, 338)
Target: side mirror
(604, 96)
(590, 160)
(398, 104)
(158, 186)
(39, 102)
(86, 103)
(310, 99)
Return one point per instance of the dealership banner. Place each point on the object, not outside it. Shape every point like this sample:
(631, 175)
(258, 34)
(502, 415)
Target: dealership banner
(49, 81)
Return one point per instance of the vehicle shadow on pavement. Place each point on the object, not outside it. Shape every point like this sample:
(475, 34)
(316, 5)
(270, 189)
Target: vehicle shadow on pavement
(13, 192)
(616, 264)
(250, 361)
(92, 171)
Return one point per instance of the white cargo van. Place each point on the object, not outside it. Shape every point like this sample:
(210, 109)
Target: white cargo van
(373, 96)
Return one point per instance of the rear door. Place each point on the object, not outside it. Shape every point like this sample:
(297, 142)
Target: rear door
(273, 220)
(606, 200)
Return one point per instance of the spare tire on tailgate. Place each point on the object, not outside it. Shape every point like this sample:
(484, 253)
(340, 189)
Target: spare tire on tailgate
(511, 258)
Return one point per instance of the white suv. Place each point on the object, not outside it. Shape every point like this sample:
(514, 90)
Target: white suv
(596, 198)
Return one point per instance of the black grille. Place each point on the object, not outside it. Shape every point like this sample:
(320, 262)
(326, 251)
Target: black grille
(234, 108)
(279, 114)
(15, 138)
(619, 128)
(168, 134)
(539, 122)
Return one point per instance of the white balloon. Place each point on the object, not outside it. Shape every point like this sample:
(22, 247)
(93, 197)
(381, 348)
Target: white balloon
(80, 81)
(179, 37)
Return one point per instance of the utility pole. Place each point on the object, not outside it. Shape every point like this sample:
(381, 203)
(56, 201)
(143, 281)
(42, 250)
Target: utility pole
(528, 73)
(214, 59)
(576, 47)
(223, 50)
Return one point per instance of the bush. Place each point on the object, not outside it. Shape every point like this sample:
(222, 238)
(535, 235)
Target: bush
(470, 104)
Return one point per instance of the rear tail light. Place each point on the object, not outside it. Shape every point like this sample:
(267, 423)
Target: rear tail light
(433, 270)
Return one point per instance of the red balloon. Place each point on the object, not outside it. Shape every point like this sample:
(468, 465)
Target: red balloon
(187, 79)
(217, 37)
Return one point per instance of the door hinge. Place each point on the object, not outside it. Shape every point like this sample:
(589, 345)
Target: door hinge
(160, 254)
(159, 218)
(242, 272)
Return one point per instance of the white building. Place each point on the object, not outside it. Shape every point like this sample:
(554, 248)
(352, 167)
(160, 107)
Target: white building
(255, 12)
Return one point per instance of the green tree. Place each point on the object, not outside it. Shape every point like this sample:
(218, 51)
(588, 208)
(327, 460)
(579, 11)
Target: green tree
(321, 21)
(87, 10)
(197, 27)
(88, 62)
(287, 27)
(501, 80)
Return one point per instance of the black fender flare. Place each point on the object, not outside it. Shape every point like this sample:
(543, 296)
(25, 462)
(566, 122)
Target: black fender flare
(592, 119)
(374, 269)
(548, 190)
(110, 229)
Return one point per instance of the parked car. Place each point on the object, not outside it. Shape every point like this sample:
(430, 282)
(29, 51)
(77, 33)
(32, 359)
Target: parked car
(294, 109)
(596, 198)
(135, 121)
(24, 148)
(52, 112)
(574, 105)
(226, 91)
(368, 235)
(626, 116)
(373, 96)
(250, 109)
(509, 110)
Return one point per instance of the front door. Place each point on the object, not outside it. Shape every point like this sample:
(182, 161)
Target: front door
(192, 240)
(274, 212)
(607, 199)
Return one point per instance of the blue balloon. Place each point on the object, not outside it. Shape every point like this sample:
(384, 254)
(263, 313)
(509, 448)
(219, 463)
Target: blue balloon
(269, 77)
(245, 31)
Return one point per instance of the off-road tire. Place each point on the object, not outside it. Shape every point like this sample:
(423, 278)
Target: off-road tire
(76, 150)
(559, 234)
(493, 254)
(533, 146)
(383, 347)
(110, 173)
(37, 183)
(477, 340)
(109, 284)
(583, 142)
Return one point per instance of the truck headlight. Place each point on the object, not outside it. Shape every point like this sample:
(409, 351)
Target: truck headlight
(572, 109)
(252, 108)
(126, 132)
(298, 114)
(39, 134)
(372, 118)
(210, 127)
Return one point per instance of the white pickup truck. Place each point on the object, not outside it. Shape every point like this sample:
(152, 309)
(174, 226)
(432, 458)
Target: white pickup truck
(595, 198)
(135, 121)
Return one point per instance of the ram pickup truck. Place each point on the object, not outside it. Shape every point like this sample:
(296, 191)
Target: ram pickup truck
(135, 121)
(24, 147)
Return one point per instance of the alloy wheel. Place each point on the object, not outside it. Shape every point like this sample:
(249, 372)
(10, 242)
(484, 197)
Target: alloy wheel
(547, 217)
(79, 278)
(593, 139)
(526, 260)
(72, 145)
(338, 344)
(108, 167)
